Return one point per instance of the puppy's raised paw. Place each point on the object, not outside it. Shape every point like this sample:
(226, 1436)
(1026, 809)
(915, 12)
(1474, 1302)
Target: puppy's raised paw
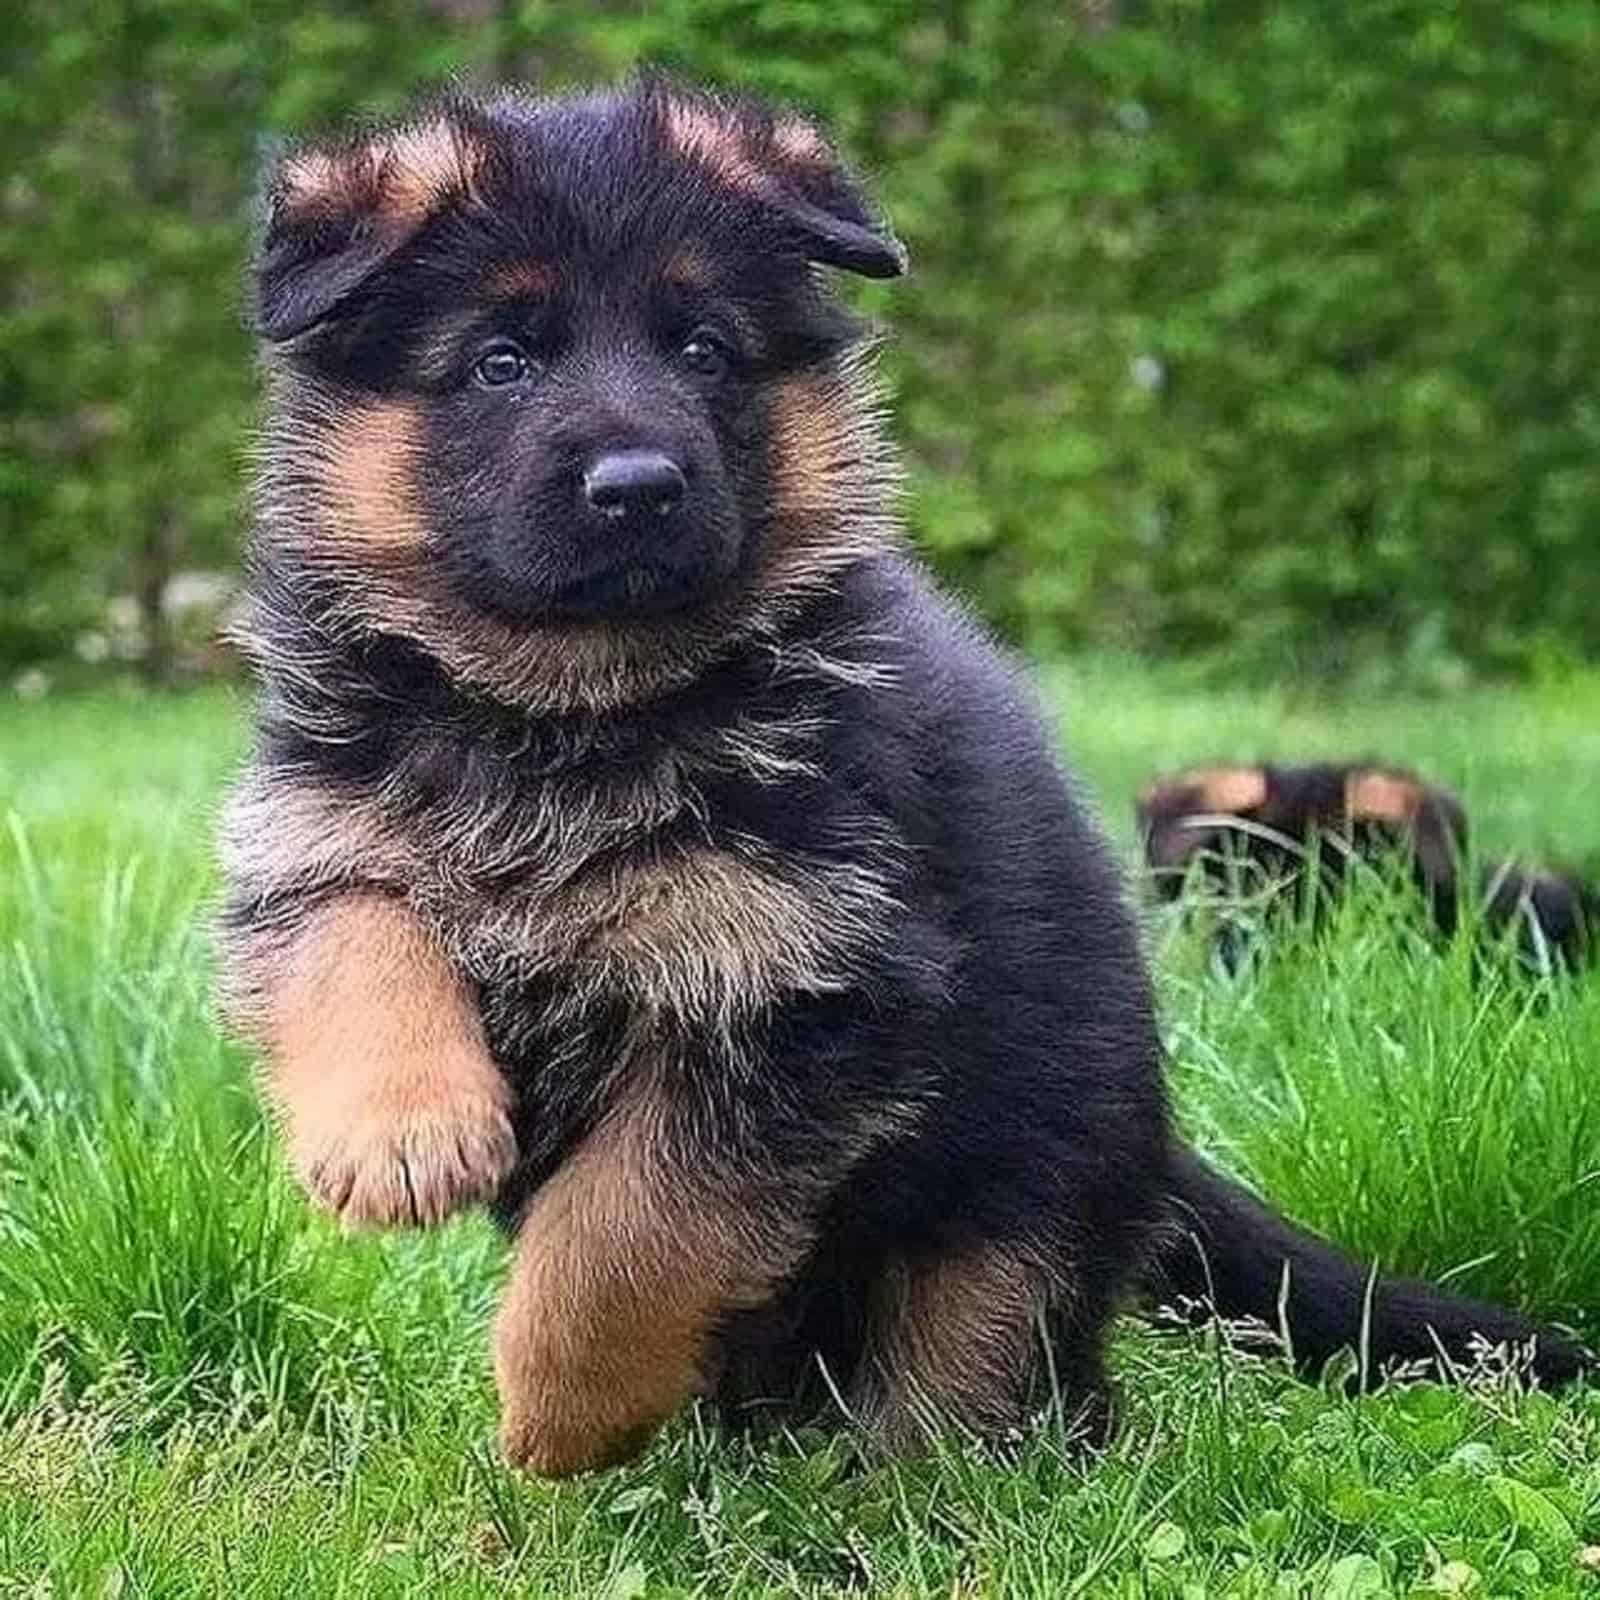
(407, 1160)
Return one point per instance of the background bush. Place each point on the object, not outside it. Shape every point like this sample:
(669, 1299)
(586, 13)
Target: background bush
(1266, 329)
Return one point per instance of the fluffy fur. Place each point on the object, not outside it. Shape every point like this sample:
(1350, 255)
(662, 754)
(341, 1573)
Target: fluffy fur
(734, 854)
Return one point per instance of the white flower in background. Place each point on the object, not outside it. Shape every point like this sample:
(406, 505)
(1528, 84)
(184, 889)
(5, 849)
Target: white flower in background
(188, 592)
(1148, 372)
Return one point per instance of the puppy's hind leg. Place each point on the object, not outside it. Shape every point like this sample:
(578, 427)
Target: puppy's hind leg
(958, 1339)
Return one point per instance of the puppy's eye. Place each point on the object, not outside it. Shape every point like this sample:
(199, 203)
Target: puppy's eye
(706, 355)
(501, 364)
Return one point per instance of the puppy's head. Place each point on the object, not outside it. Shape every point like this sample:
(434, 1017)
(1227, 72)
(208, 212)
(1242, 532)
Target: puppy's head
(1184, 814)
(555, 390)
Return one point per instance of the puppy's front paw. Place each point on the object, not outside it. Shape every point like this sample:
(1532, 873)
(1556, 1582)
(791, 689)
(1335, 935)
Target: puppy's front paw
(591, 1357)
(407, 1159)
(554, 1444)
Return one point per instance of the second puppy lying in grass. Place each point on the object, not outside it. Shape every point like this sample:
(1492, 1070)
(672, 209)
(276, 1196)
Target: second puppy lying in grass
(1294, 832)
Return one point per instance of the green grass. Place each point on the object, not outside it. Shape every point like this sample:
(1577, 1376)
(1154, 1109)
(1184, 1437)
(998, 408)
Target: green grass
(206, 1390)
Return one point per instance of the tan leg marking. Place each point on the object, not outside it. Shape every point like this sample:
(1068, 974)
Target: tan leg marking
(622, 1269)
(395, 1112)
(953, 1341)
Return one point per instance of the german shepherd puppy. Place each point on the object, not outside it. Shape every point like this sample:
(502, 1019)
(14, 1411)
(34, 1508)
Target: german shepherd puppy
(1281, 822)
(636, 842)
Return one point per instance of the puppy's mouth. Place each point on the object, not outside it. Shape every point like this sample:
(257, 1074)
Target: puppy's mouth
(635, 588)
(538, 564)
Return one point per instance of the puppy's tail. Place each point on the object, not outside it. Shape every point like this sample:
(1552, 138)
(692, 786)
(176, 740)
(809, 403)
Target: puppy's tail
(1227, 1255)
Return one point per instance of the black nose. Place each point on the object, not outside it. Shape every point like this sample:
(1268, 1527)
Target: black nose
(634, 483)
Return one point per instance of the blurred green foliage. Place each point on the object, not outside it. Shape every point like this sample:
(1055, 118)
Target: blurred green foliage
(1261, 327)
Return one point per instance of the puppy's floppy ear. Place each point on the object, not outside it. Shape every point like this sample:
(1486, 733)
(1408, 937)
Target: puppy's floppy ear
(336, 214)
(817, 197)
(308, 265)
(782, 161)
